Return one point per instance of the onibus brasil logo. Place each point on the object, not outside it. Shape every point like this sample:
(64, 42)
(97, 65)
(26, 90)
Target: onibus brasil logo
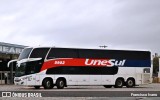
(20, 94)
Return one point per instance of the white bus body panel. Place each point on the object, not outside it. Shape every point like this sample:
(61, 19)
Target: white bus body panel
(72, 80)
(95, 79)
(108, 79)
(124, 72)
(82, 79)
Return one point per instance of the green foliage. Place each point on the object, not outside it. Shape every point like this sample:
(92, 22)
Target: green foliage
(155, 65)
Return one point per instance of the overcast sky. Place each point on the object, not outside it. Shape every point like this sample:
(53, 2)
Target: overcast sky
(119, 24)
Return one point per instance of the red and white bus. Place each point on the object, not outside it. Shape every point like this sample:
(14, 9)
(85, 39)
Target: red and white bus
(61, 67)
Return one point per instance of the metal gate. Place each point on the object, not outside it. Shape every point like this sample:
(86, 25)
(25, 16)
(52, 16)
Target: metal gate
(5, 77)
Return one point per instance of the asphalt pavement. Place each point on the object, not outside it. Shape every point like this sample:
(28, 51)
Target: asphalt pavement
(144, 92)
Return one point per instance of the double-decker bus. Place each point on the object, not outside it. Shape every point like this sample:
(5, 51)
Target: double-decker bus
(62, 67)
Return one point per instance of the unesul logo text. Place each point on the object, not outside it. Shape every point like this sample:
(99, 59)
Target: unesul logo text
(108, 63)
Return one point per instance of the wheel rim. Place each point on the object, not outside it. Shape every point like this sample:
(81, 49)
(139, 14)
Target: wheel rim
(48, 83)
(130, 82)
(61, 83)
(119, 83)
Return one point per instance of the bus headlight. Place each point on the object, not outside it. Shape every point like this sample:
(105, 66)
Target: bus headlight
(21, 79)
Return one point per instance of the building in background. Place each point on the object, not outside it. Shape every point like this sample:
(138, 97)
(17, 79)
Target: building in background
(8, 52)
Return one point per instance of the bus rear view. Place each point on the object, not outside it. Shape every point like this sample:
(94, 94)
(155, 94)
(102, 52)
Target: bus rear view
(61, 67)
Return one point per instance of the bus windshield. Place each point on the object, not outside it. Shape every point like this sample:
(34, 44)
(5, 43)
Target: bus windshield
(20, 71)
(25, 53)
(26, 69)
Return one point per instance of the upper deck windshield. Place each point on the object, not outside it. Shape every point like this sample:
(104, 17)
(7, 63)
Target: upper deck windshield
(39, 53)
(34, 66)
(25, 53)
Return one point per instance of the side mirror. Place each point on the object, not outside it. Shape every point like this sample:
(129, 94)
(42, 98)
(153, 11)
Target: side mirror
(34, 59)
(11, 61)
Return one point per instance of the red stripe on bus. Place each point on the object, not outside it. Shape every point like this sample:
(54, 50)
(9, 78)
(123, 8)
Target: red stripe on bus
(72, 62)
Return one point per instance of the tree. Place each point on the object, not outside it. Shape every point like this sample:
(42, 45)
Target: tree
(155, 66)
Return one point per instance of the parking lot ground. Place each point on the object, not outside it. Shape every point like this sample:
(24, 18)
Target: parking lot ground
(86, 92)
(148, 87)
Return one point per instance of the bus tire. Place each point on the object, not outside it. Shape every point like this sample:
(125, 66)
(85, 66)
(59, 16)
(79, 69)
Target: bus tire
(47, 83)
(107, 86)
(130, 83)
(37, 87)
(119, 83)
(60, 84)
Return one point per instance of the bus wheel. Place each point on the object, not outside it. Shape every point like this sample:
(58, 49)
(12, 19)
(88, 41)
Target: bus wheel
(60, 83)
(119, 83)
(47, 83)
(130, 83)
(107, 86)
(37, 87)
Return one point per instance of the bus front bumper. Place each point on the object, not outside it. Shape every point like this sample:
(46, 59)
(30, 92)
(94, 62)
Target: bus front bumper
(19, 81)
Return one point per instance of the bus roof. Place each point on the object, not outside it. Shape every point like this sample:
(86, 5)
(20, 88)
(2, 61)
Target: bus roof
(91, 49)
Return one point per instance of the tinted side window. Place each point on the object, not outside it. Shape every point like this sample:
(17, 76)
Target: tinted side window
(114, 54)
(34, 66)
(92, 54)
(39, 53)
(83, 70)
(62, 53)
(109, 70)
(56, 70)
(146, 70)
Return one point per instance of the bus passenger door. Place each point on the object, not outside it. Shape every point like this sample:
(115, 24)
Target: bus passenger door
(31, 79)
(37, 79)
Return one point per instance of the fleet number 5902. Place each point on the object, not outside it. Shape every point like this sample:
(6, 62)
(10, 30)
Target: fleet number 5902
(60, 62)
